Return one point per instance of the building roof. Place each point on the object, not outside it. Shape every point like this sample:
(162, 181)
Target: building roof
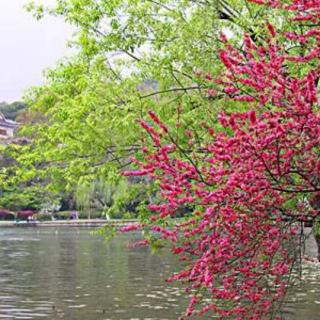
(7, 123)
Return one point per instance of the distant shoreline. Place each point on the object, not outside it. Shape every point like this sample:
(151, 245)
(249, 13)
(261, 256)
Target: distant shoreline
(67, 223)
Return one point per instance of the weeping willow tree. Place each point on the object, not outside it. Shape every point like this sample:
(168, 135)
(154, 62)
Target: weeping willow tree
(84, 194)
(117, 199)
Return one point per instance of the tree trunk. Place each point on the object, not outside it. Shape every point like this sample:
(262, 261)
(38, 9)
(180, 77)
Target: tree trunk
(315, 203)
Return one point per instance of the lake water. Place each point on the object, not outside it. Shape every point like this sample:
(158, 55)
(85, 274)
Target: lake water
(67, 273)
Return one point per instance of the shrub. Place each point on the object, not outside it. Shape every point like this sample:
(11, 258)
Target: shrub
(42, 217)
(62, 215)
(25, 214)
(74, 215)
(6, 215)
(128, 216)
(93, 215)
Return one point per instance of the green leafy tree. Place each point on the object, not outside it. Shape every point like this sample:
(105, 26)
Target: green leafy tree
(132, 56)
(114, 199)
(24, 197)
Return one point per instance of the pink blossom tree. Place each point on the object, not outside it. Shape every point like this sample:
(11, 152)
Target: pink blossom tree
(245, 181)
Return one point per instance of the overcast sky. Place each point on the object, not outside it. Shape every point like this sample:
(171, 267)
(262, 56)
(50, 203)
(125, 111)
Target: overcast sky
(27, 47)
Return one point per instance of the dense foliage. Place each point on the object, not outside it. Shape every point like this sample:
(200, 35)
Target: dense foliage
(131, 56)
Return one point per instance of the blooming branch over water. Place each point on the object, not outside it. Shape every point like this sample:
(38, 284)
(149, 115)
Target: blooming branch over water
(247, 186)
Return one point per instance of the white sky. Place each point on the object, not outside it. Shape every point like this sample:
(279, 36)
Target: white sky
(27, 47)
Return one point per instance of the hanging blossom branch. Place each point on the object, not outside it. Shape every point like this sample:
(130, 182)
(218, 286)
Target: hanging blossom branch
(258, 178)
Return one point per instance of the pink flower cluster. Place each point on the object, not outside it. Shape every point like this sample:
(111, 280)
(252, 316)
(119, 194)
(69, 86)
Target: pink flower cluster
(247, 186)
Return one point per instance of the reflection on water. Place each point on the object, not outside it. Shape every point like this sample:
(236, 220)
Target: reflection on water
(69, 274)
